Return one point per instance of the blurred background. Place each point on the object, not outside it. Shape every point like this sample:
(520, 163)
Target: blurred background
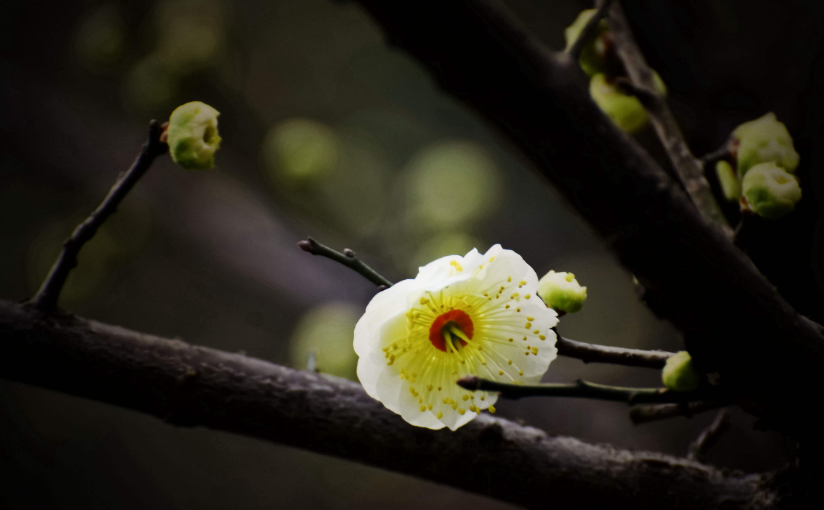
(329, 132)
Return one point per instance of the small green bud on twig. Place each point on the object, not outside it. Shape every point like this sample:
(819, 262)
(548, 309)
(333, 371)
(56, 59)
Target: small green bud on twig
(192, 135)
(562, 292)
(730, 185)
(678, 373)
(770, 191)
(763, 140)
(593, 56)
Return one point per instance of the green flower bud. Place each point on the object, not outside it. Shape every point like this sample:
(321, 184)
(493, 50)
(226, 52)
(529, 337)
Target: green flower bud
(561, 292)
(625, 111)
(770, 191)
(592, 57)
(192, 135)
(678, 373)
(762, 140)
(730, 185)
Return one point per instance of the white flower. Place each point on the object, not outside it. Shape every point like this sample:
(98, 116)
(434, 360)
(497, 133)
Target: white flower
(474, 315)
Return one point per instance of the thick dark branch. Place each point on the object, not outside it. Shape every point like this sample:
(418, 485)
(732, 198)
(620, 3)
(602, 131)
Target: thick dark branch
(688, 167)
(582, 389)
(590, 353)
(348, 258)
(735, 322)
(589, 31)
(46, 297)
(646, 414)
(709, 435)
(196, 386)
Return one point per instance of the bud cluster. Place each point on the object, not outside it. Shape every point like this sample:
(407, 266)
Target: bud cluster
(764, 161)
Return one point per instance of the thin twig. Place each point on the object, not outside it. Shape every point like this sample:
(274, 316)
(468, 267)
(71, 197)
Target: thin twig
(589, 30)
(722, 152)
(709, 435)
(688, 167)
(590, 353)
(581, 389)
(348, 258)
(46, 298)
(646, 414)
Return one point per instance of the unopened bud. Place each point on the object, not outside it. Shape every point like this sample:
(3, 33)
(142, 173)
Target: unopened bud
(625, 111)
(192, 135)
(562, 292)
(765, 140)
(678, 373)
(730, 185)
(593, 55)
(770, 191)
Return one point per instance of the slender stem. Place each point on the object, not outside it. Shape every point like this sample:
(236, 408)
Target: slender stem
(590, 353)
(589, 31)
(46, 298)
(720, 153)
(646, 414)
(580, 389)
(709, 435)
(348, 258)
(689, 169)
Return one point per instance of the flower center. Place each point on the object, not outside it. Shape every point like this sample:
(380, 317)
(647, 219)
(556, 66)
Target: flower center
(451, 330)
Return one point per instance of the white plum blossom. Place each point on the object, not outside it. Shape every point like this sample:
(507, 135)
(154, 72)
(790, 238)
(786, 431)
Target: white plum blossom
(474, 315)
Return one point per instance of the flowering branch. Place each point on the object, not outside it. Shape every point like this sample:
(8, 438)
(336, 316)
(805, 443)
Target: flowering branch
(348, 258)
(46, 297)
(539, 101)
(582, 389)
(590, 353)
(589, 30)
(192, 386)
(689, 169)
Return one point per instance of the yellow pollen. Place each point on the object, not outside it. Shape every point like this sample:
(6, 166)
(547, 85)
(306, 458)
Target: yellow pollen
(521, 372)
(424, 300)
(530, 318)
(518, 309)
(536, 331)
(528, 325)
(522, 282)
(429, 407)
(526, 353)
(528, 296)
(510, 362)
(524, 338)
(439, 388)
(492, 409)
(492, 259)
(461, 411)
(535, 351)
(446, 401)
(542, 337)
(473, 408)
(500, 372)
(423, 408)
(509, 279)
(439, 415)
(483, 397)
(511, 339)
(513, 296)
(454, 405)
(507, 306)
(465, 397)
(456, 265)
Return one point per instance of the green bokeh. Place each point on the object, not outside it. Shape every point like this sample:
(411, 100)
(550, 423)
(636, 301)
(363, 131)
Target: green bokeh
(328, 332)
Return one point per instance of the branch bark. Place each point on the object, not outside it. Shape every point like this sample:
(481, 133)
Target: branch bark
(735, 321)
(196, 386)
(590, 353)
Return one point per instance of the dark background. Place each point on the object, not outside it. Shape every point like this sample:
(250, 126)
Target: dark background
(397, 171)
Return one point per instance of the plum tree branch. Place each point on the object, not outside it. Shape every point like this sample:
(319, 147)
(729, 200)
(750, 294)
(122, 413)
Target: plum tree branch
(689, 169)
(194, 386)
(734, 320)
(49, 292)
